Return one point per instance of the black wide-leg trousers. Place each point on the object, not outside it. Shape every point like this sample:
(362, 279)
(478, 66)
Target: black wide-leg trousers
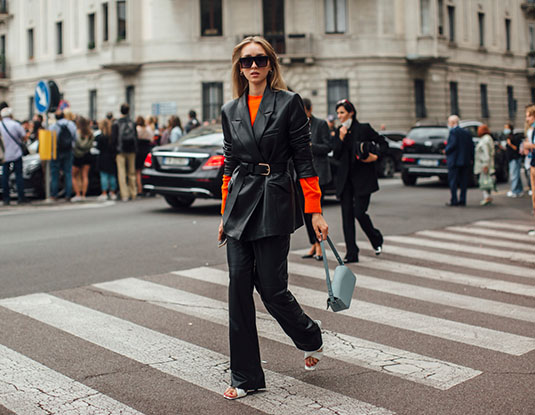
(262, 264)
(355, 206)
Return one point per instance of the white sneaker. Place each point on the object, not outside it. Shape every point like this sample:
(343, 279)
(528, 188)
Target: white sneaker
(531, 232)
(510, 194)
(530, 193)
(113, 196)
(378, 250)
(102, 198)
(76, 199)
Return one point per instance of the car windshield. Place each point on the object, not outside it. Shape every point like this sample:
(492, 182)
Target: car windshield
(428, 133)
(214, 139)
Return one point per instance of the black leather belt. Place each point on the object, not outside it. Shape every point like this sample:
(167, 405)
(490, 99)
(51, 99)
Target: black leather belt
(264, 169)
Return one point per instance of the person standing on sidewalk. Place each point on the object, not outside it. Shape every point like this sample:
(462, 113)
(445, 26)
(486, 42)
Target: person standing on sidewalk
(515, 160)
(460, 156)
(66, 136)
(106, 162)
(529, 145)
(13, 136)
(82, 159)
(264, 127)
(124, 137)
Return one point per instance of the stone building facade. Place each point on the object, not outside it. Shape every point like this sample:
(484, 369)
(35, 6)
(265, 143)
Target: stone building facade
(400, 61)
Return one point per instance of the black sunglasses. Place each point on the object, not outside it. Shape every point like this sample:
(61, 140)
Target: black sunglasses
(260, 60)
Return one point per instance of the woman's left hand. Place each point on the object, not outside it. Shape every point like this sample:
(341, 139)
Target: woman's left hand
(320, 226)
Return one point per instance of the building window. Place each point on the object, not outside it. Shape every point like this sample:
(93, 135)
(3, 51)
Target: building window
(59, 38)
(511, 103)
(211, 18)
(91, 31)
(454, 99)
(212, 100)
(484, 101)
(337, 89)
(531, 37)
(532, 96)
(3, 7)
(419, 98)
(424, 17)
(30, 44)
(508, 35)
(121, 20)
(3, 64)
(31, 107)
(93, 104)
(481, 22)
(335, 16)
(274, 24)
(451, 23)
(105, 24)
(440, 6)
(131, 99)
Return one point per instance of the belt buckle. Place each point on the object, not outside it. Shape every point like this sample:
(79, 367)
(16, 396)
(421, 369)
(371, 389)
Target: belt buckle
(268, 172)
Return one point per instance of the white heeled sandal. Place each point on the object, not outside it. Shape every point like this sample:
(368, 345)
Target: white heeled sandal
(318, 354)
(240, 393)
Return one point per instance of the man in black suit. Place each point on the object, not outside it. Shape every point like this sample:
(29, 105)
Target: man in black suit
(460, 156)
(320, 143)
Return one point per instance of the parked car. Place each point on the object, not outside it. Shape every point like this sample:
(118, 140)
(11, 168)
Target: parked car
(188, 169)
(423, 153)
(33, 173)
(390, 161)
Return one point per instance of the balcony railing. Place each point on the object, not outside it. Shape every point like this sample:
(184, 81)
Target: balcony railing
(299, 48)
(529, 8)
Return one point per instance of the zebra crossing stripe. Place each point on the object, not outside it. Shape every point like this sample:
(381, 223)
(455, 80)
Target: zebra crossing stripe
(450, 330)
(447, 298)
(503, 225)
(28, 387)
(498, 234)
(457, 260)
(478, 240)
(458, 247)
(187, 361)
(406, 365)
(383, 264)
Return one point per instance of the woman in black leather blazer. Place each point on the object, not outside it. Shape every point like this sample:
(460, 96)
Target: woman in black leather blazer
(261, 209)
(356, 180)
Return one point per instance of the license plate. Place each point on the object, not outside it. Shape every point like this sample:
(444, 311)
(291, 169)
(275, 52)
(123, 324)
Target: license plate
(175, 161)
(428, 163)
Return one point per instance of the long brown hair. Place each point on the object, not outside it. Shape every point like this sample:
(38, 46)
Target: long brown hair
(105, 129)
(239, 82)
(84, 126)
(530, 109)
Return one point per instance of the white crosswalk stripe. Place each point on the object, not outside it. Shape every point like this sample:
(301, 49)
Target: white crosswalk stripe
(464, 333)
(382, 264)
(493, 233)
(478, 240)
(379, 357)
(503, 225)
(27, 387)
(459, 247)
(197, 365)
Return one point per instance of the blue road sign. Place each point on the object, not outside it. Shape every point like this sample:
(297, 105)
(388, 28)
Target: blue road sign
(42, 97)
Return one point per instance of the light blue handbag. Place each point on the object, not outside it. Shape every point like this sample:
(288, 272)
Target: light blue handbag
(343, 284)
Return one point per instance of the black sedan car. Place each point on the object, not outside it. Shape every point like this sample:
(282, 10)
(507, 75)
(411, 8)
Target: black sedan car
(186, 170)
(423, 153)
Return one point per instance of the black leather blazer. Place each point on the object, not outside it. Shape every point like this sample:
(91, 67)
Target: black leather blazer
(362, 176)
(265, 205)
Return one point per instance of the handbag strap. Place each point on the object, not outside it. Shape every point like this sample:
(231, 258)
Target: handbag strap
(326, 265)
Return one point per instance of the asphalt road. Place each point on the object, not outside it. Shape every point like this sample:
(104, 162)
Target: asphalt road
(121, 308)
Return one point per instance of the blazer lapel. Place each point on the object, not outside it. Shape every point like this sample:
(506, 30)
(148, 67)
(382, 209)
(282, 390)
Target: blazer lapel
(264, 113)
(244, 130)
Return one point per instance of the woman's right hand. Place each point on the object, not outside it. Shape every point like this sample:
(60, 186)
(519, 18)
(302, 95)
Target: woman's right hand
(342, 132)
(220, 231)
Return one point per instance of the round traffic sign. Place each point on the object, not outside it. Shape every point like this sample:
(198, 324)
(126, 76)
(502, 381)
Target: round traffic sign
(42, 97)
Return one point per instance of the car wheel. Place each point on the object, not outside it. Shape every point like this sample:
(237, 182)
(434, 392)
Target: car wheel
(180, 202)
(408, 179)
(387, 167)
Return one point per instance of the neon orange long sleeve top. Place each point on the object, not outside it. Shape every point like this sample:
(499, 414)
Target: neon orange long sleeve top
(310, 185)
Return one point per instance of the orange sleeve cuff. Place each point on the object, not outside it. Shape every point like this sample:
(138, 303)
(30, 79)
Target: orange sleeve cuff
(224, 192)
(312, 193)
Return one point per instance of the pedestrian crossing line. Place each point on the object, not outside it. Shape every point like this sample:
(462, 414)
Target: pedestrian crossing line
(189, 362)
(431, 295)
(471, 263)
(28, 387)
(512, 344)
(458, 247)
(503, 225)
(378, 357)
(478, 240)
(383, 264)
(499, 234)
